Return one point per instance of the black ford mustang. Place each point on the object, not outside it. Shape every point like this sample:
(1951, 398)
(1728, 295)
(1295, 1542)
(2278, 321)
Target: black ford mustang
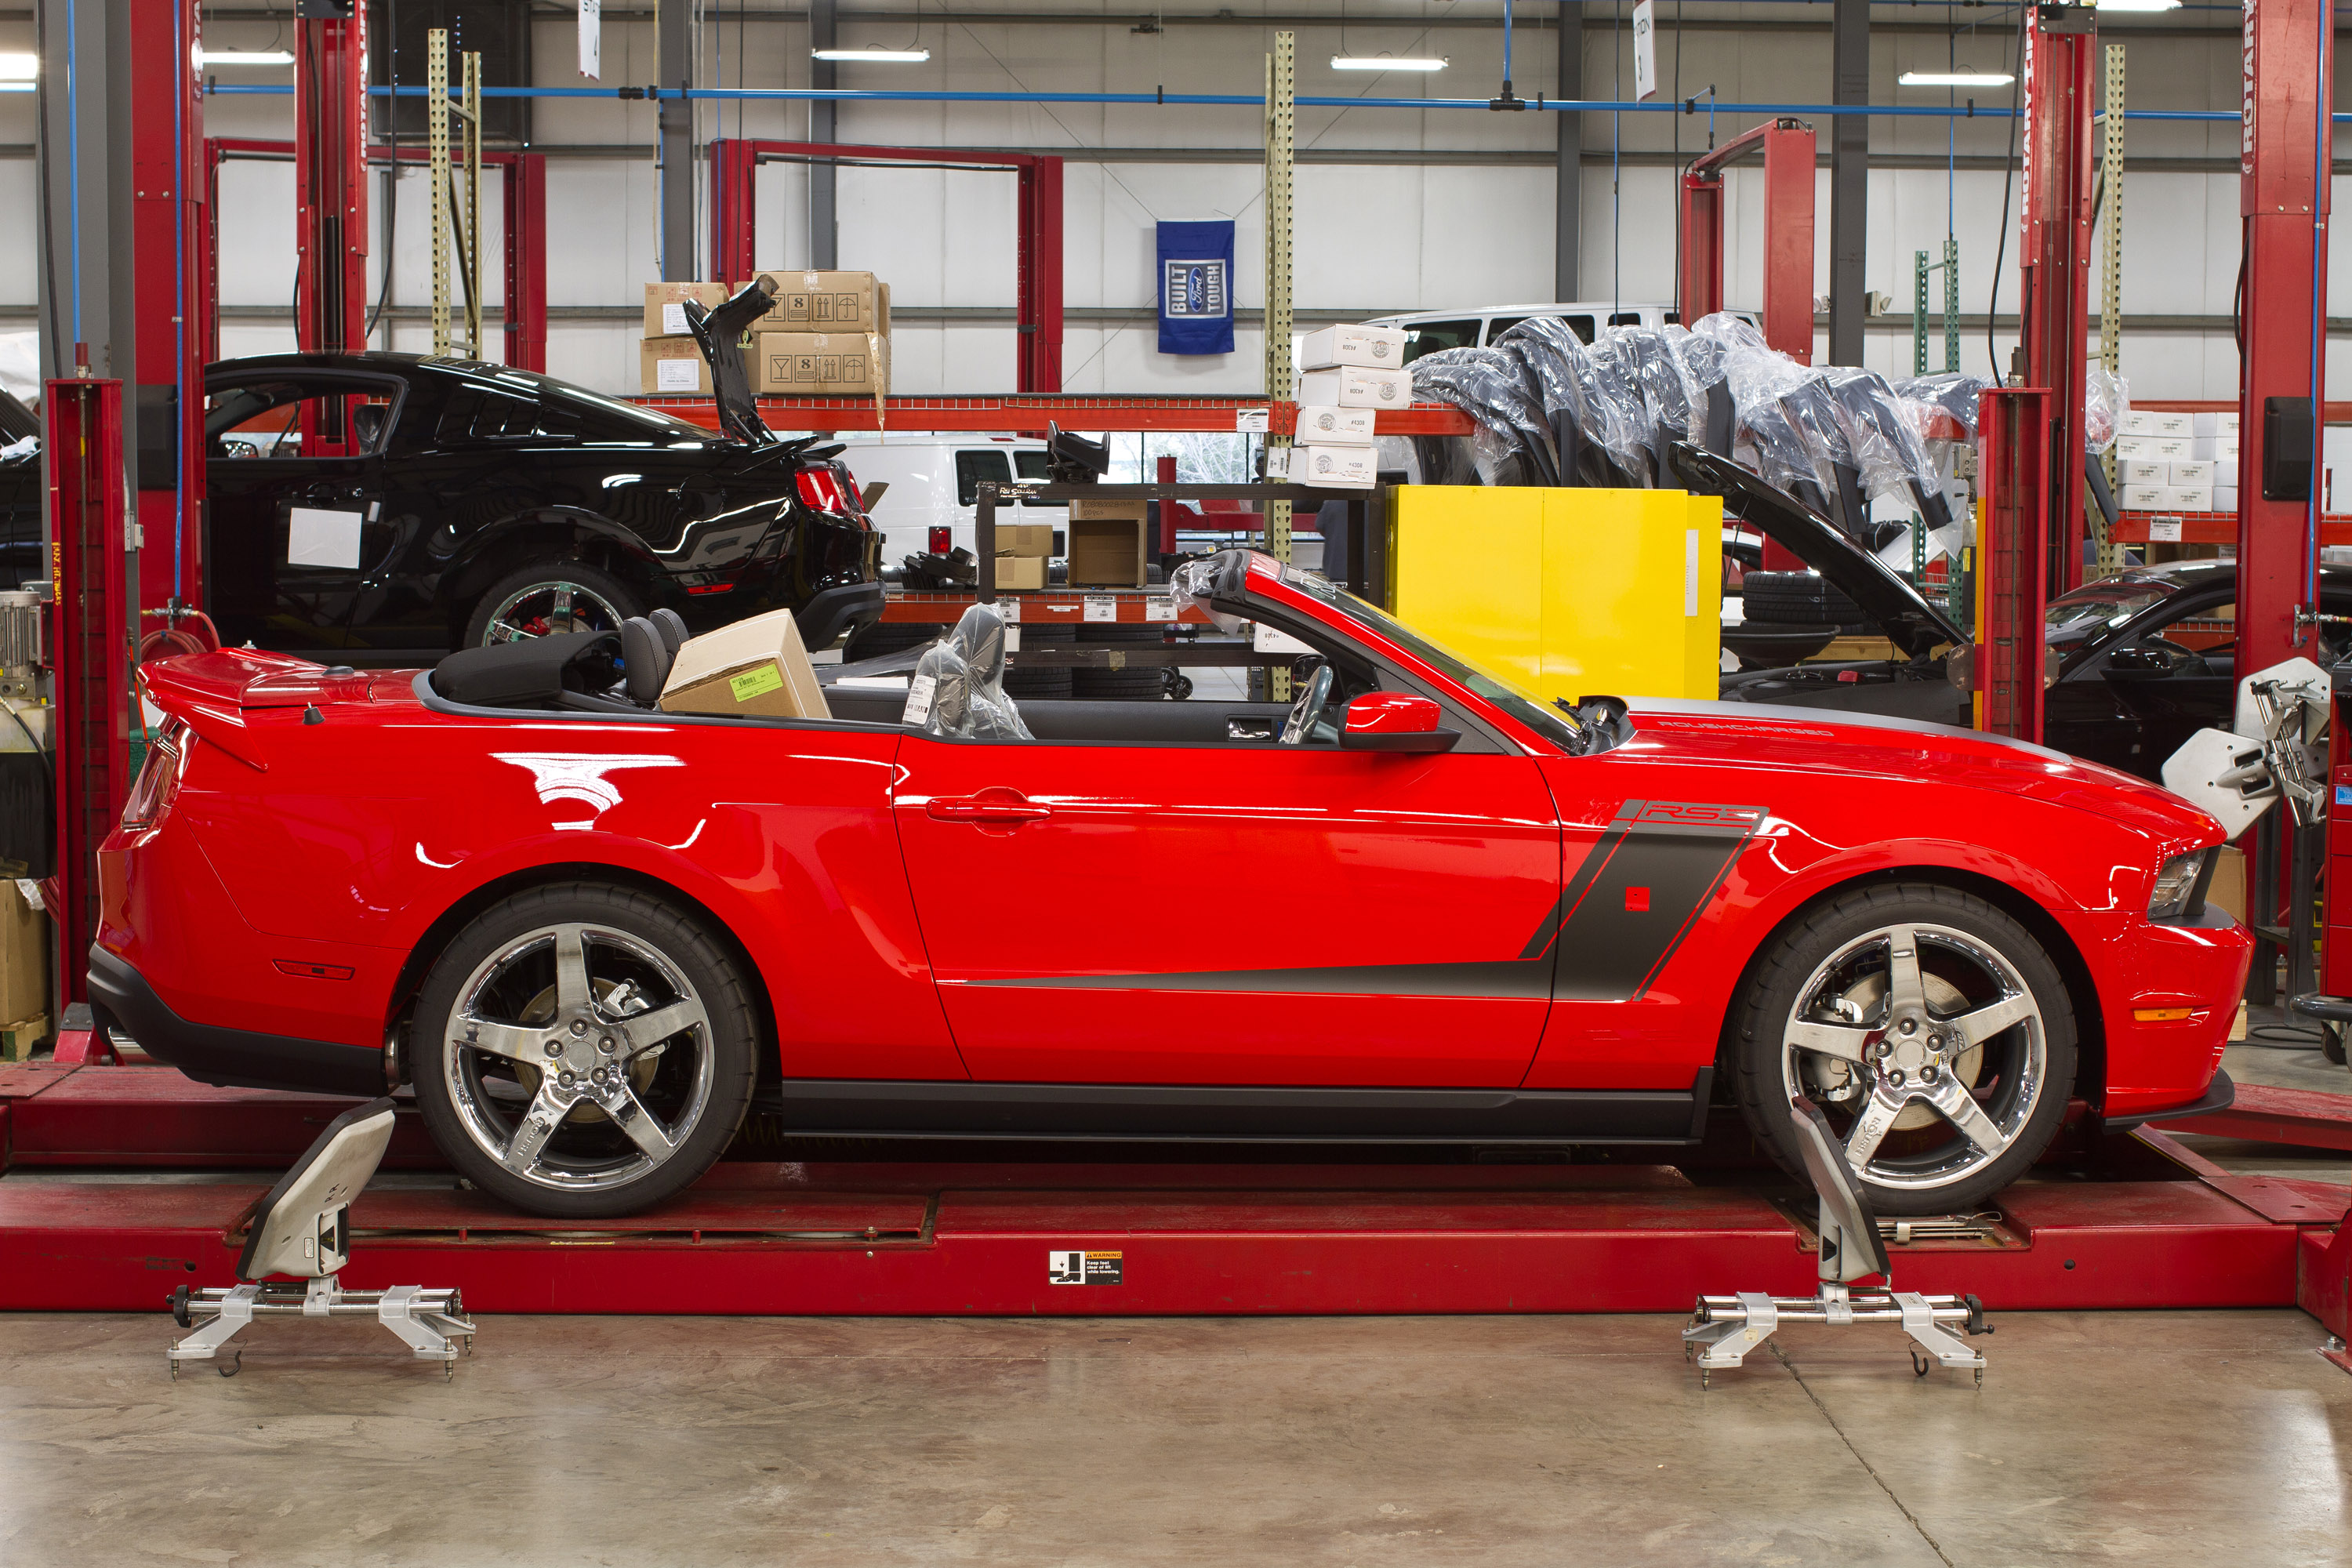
(390, 507)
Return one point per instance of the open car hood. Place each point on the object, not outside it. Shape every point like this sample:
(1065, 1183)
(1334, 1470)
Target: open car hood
(1909, 621)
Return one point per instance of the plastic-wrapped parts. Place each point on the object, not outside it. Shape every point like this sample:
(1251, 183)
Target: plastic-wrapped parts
(1952, 392)
(2106, 398)
(1513, 441)
(1702, 362)
(938, 698)
(979, 640)
(1596, 420)
(1644, 360)
(1194, 585)
(1885, 447)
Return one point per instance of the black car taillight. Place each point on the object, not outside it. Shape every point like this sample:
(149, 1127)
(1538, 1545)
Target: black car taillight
(943, 540)
(823, 489)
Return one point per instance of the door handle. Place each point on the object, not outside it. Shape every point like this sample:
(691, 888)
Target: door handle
(1008, 806)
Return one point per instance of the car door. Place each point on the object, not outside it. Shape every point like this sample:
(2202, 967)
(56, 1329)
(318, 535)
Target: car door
(1237, 912)
(293, 477)
(2105, 711)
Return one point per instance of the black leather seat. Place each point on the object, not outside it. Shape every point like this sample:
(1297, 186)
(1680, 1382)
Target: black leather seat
(646, 659)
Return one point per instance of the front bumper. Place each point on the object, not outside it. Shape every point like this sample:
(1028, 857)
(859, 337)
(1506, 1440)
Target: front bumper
(834, 611)
(2220, 1095)
(214, 1054)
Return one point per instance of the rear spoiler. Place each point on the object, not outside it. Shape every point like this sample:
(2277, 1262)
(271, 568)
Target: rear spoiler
(718, 335)
(213, 693)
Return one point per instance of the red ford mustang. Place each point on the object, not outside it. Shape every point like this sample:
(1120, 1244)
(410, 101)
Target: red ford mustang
(1419, 906)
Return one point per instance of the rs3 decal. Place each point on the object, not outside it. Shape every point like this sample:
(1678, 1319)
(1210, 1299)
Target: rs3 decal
(1626, 907)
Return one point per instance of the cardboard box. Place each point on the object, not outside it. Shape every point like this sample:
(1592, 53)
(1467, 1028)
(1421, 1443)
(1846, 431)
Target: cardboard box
(2138, 422)
(672, 367)
(18, 1040)
(1332, 426)
(754, 667)
(1382, 347)
(665, 305)
(2138, 471)
(2177, 424)
(2143, 498)
(2227, 892)
(814, 363)
(1024, 539)
(828, 302)
(1105, 543)
(2225, 472)
(1335, 467)
(2181, 449)
(2135, 448)
(2225, 424)
(1019, 573)
(1356, 386)
(2225, 498)
(23, 955)
(2187, 498)
(2189, 475)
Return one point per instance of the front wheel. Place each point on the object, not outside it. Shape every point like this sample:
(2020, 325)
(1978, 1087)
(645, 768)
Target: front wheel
(583, 1051)
(1930, 1027)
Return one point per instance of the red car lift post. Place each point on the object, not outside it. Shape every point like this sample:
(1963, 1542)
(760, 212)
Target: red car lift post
(2054, 254)
(734, 168)
(167, 136)
(525, 197)
(2015, 427)
(330, 204)
(81, 420)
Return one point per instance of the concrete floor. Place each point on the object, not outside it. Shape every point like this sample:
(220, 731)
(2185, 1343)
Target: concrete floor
(2182, 1438)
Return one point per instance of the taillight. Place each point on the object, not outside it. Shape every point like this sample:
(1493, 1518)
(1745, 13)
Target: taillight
(822, 490)
(151, 793)
(942, 541)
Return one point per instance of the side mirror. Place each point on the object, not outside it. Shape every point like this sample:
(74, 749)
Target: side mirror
(1394, 722)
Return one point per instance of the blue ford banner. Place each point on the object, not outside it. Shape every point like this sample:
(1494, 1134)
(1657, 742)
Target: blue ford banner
(1196, 293)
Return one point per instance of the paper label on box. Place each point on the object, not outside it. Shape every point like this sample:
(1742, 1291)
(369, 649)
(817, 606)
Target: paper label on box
(1101, 607)
(1264, 638)
(1159, 609)
(1008, 611)
(2164, 530)
(918, 700)
(677, 374)
(1251, 421)
(674, 318)
(756, 682)
(318, 538)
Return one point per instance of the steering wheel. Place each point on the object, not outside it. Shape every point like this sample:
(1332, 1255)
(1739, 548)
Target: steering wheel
(1308, 709)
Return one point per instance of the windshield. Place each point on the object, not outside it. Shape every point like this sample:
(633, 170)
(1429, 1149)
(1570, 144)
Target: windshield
(1552, 723)
(2076, 617)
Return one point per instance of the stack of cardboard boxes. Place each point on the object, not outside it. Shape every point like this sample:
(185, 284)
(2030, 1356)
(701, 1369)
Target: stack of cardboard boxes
(2178, 462)
(23, 974)
(827, 333)
(1346, 374)
(1021, 551)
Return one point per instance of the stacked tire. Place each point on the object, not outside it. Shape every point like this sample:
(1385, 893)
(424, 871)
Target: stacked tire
(1049, 684)
(1136, 683)
(881, 637)
(1799, 599)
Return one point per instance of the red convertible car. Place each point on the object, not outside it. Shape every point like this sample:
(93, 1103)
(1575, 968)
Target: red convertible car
(1417, 906)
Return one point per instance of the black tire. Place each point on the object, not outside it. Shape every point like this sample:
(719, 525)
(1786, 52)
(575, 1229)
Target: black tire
(1796, 598)
(587, 1166)
(1049, 684)
(600, 601)
(878, 637)
(1141, 683)
(2019, 1077)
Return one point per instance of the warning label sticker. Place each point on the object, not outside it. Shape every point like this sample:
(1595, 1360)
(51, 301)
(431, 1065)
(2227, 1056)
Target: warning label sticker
(1084, 1268)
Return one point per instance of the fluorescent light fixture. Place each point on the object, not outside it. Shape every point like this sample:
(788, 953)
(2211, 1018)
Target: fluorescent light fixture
(1954, 79)
(16, 87)
(19, 68)
(1384, 63)
(2139, 5)
(244, 57)
(880, 56)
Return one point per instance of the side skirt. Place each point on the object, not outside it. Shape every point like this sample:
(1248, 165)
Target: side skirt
(1152, 1112)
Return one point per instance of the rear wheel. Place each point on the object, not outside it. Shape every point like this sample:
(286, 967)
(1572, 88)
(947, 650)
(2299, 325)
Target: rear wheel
(542, 601)
(1930, 1027)
(583, 1051)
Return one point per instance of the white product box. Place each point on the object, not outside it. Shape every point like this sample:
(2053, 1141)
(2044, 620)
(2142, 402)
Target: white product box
(1332, 426)
(1335, 467)
(2139, 471)
(2225, 446)
(1381, 348)
(2143, 498)
(2187, 498)
(2225, 472)
(2225, 424)
(2225, 498)
(2189, 475)
(1357, 387)
(2138, 422)
(2181, 448)
(2174, 424)
(2135, 448)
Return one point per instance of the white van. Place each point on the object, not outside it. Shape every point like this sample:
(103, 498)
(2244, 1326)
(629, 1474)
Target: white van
(934, 481)
(1426, 331)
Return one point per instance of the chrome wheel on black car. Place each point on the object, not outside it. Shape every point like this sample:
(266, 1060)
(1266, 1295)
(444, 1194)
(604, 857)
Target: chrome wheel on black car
(583, 1051)
(1932, 1030)
(545, 601)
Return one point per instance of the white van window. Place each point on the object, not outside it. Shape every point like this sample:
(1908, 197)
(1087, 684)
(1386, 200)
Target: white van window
(1497, 327)
(971, 468)
(1029, 462)
(1428, 337)
(1626, 318)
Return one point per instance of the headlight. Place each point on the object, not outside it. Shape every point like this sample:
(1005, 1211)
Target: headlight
(2180, 892)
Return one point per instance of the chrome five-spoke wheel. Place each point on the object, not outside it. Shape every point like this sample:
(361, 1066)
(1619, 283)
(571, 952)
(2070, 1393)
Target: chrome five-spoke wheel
(583, 1051)
(1930, 1027)
(545, 609)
